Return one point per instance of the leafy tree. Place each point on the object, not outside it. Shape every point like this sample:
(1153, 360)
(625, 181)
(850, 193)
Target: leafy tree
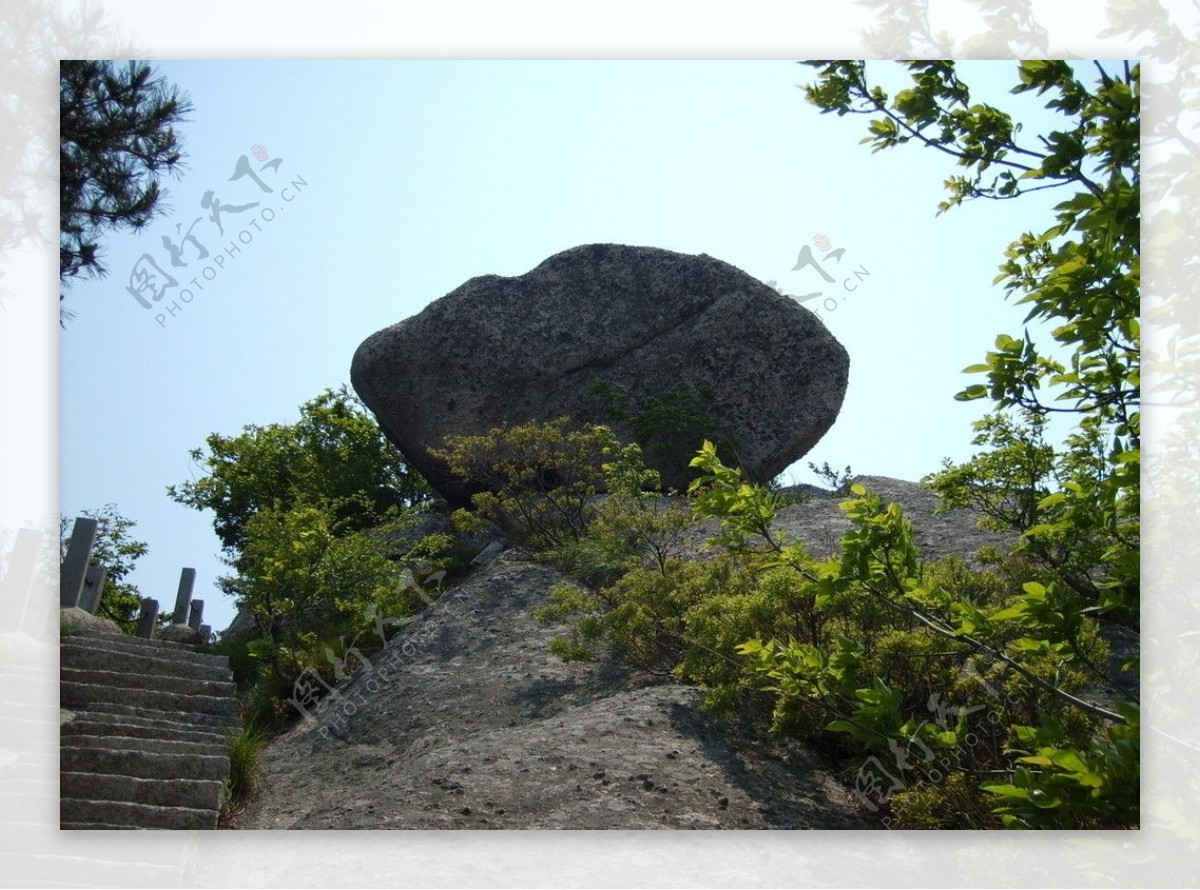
(309, 514)
(334, 457)
(117, 139)
(1075, 506)
(1080, 275)
(1083, 271)
(118, 551)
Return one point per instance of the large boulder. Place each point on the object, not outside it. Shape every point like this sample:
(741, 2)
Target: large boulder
(656, 328)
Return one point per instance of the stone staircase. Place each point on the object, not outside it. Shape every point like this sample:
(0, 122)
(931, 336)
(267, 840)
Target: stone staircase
(143, 735)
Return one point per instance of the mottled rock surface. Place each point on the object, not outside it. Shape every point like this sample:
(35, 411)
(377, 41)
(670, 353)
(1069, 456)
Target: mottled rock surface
(508, 350)
(466, 720)
(77, 620)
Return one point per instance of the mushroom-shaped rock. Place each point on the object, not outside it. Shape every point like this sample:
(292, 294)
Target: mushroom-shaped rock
(608, 333)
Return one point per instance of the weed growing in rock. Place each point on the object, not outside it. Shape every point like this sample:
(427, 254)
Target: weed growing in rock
(245, 769)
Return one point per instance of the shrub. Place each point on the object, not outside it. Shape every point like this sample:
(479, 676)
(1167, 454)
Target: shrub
(898, 667)
(956, 803)
(533, 481)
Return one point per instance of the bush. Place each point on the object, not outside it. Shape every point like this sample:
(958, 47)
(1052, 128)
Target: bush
(954, 804)
(534, 481)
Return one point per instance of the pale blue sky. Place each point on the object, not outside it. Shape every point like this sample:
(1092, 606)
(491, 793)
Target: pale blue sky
(420, 175)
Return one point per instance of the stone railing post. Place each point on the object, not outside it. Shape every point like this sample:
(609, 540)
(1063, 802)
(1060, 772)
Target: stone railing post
(196, 614)
(147, 617)
(74, 567)
(93, 588)
(183, 599)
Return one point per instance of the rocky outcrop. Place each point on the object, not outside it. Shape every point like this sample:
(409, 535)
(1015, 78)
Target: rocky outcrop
(764, 372)
(820, 523)
(466, 720)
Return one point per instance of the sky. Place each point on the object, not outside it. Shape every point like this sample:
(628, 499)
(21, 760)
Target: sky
(391, 183)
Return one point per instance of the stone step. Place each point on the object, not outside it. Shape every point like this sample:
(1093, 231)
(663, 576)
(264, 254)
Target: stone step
(134, 815)
(196, 794)
(108, 740)
(78, 696)
(177, 652)
(178, 719)
(82, 656)
(143, 764)
(150, 682)
(91, 723)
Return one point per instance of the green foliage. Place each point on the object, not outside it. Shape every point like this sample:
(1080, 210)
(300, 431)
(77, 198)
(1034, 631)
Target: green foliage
(888, 637)
(236, 647)
(745, 510)
(1092, 787)
(308, 514)
(1076, 506)
(955, 804)
(535, 481)
(669, 425)
(335, 456)
(644, 615)
(117, 138)
(118, 551)
(872, 652)
(836, 481)
(245, 765)
(314, 594)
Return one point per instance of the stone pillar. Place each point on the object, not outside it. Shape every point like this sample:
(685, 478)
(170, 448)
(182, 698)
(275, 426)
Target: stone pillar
(187, 580)
(205, 633)
(74, 567)
(195, 615)
(93, 588)
(14, 589)
(147, 617)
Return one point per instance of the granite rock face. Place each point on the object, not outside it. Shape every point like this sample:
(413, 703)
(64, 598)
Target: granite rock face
(648, 322)
(466, 721)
